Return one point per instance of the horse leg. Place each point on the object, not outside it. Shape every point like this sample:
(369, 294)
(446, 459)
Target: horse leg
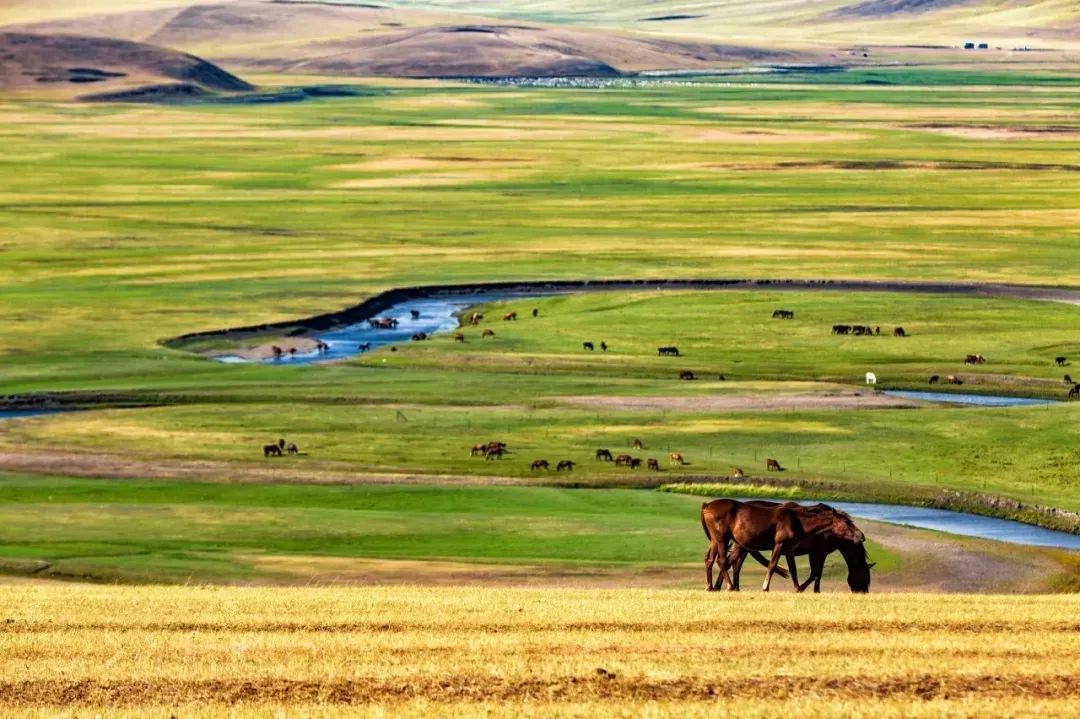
(710, 557)
(777, 551)
(736, 570)
(817, 568)
(793, 570)
(722, 556)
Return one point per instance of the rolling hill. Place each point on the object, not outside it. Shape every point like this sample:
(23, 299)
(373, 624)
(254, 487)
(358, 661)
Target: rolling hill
(105, 68)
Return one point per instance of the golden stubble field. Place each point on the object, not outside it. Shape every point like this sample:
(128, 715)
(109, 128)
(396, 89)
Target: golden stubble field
(79, 650)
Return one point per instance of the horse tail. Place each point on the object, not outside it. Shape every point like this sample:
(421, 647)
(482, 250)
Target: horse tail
(703, 524)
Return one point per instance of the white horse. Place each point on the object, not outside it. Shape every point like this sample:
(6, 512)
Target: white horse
(871, 378)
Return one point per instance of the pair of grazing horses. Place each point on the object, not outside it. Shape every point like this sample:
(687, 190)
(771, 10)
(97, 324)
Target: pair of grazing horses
(788, 530)
(278, 449)
(566, 464)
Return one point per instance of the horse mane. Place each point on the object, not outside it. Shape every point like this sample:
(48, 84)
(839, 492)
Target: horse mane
(855, 550)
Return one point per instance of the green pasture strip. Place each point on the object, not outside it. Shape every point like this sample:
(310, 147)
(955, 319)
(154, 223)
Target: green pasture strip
(170, 531)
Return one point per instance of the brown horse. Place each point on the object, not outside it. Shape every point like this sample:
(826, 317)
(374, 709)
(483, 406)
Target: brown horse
(818, 547)
(567, 464)
(271, 450)
(604, 454)
(899, 332)
(677, 458)
(758, 526)
(686, 374)
(487, 333)
(540, 464)
(459, 337)
(623, 459)
(1075, 391)
(510, 316)
(773, 465)
(638, 444)
(654, 465)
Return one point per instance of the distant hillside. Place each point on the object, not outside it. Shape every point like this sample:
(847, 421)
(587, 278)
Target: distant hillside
(325, 38)
(1012, 22)
(75, 66)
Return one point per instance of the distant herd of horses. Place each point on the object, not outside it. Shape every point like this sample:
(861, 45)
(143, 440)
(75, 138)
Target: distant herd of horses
(736, 529)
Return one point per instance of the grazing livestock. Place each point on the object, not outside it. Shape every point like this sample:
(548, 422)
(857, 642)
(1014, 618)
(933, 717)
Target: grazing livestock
(271, 450)
(510, 316)
(653, 464)
(788, 530)
(292, 351)
(320, 347)
(603, 346)
(686, 374)
(1068, 379)
(1075, 391)
(670, 351)
(363, 347)
(737, 473)
(281, 444)
(899, 332)
(622, 459)
(536, 312)
(934, 379)
(278, 352)
(566, 464)
(478, 450)
(773, 466)
(1060, 361)
(487, 333)
(587, 346)
(638, 444)
(419, 337)
(953, 379)
(974, 359)
(539, 464)
(841, 329)
(603, 455)
(459, 337)
(783, 314)
(291, 448)
(821, 530)
(871, 378)
(383, 323)
(635, 462)
(494, 453)
(677, 458)
(415, 314)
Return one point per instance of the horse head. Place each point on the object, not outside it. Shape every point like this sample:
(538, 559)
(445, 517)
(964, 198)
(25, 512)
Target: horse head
(859, 566)
(843, 528)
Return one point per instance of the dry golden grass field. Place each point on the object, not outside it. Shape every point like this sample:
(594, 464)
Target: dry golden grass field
(80, 650)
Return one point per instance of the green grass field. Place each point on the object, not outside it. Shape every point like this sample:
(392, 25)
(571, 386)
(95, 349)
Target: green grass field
(127, 226)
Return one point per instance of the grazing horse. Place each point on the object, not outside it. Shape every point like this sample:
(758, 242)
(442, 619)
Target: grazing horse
(638, 444)
(1068, 379)
(494, 452)
(1075, 391)
(478, 450)
(487, 333)
(953, 379)
(773, 466)
(271, 450)
(539, 464)
(415, 314)
(278, 352)
(566, 464)
(1060, 361)
(737, 473)
(603, 346)
(510, 316)
(818, 547)
(634, 462)
(934, 379)
(871, 378)
(587, 346)
(686, 374)
(841, 329)
(622, 460)
(383, 323)
(899, 332)
(459, 336)
(291, 448)
(785, 528)
(671, 351)
(653, 464)
(677, 458)
(536, 311)
(363, 347)
(322, 347)
(974, 359)
(419, 337)
(603, 455)
(783, 314)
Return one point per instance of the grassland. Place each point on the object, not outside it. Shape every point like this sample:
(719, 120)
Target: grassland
(462, 652)
(127, 226)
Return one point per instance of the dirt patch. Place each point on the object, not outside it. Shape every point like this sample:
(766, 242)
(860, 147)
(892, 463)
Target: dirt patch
(991, 132)
(466, 688)
(265, 351)
(744, 402)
